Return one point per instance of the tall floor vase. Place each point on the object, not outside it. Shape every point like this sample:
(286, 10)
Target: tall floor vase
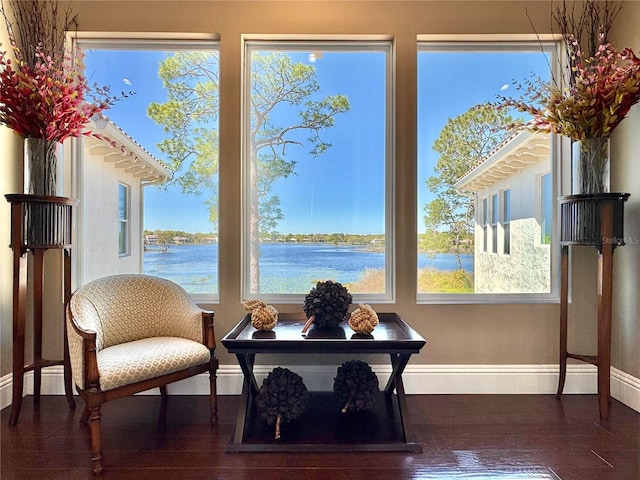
(42, 167)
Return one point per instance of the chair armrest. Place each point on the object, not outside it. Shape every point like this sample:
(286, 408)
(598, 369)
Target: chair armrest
(208, 332)
(90, 375)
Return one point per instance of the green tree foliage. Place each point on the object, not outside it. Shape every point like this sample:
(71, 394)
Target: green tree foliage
(164, 239)
(464, 142)
(189, 118)
(277, 83)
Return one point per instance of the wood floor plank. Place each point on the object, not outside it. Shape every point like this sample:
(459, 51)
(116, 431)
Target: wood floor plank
(463, 437)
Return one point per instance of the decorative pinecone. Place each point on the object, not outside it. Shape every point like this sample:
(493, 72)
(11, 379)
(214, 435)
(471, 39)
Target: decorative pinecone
(326, 305)
(363, 319)
(282, 397)
(263, 317)
(356, 386)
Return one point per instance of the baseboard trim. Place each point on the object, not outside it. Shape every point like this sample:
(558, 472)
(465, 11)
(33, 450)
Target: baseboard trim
(418, 379)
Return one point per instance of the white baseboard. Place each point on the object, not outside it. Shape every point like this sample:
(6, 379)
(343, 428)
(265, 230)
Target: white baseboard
(418, 379)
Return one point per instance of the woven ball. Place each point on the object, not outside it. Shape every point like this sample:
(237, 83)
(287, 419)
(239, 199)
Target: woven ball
(363, 319)
(263, 317)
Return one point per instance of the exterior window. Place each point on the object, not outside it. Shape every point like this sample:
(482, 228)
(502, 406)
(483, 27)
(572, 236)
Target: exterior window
(546, 204)
(484, 223)
(494, 223)
(124, 207)
(470, 164)
(317, 156)
(506, 218)
(167, 134)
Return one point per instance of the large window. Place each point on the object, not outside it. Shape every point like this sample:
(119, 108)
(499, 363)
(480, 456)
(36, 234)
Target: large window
(470, 165)
(172, 114)
(317, 141)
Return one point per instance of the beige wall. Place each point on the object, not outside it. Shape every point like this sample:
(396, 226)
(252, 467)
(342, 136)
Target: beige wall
(625, 172)
(456, 334)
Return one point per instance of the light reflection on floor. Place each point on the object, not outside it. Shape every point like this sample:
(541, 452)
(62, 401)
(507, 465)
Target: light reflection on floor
(486, 474)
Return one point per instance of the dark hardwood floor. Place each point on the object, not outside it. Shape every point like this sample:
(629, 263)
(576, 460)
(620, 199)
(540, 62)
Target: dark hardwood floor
(501, 437)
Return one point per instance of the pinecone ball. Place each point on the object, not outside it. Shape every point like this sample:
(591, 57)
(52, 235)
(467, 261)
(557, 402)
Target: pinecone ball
(282, 397)
(363, 319)
(263, 317)
(356, 386)
(326, 305)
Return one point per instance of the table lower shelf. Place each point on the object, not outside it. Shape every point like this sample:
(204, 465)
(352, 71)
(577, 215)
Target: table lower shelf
(322, 427)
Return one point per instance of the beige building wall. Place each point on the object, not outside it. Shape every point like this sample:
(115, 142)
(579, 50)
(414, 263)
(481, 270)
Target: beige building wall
(456, 334)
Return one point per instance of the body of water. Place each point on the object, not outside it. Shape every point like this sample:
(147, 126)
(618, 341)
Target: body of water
(284, 267)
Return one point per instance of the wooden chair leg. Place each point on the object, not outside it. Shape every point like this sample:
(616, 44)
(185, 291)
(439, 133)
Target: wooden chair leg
(94, 425)
(213, 391)
(163, 390)
(85, 415)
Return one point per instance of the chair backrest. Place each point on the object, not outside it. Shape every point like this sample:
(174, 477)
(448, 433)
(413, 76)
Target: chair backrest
(124, 308)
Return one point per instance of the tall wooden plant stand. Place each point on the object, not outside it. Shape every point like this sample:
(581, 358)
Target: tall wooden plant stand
(596, 220)
(38, 223)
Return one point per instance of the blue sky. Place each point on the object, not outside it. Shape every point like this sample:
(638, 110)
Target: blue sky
(341, 190)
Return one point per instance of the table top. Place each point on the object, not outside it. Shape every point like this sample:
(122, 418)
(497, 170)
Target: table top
(391, 335)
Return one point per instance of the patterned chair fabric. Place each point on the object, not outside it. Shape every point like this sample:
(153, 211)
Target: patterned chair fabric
(145, 327)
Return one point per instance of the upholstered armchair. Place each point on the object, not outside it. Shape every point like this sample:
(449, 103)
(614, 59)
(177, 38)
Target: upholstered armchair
(130, 333)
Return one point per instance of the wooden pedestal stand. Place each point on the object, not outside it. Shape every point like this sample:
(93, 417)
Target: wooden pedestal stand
(38, 223)
(597, 220)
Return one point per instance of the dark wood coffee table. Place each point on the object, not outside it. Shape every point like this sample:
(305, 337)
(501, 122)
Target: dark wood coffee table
(322, 426)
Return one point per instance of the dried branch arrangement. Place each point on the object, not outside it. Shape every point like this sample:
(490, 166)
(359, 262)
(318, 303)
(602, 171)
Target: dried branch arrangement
(37, 23)
(584, 26)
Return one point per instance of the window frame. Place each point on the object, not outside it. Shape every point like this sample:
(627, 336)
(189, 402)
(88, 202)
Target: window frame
(506, 221)
(285, 42)
(111, 40)
(495, 210)
(542, 207)
(124, 227)
(552, 45)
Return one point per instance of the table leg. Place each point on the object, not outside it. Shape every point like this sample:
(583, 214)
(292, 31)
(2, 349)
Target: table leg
(246, 362)
(66, 361)
(605, 283)
(398, 363)
(38, 282)
(19, 319)
(564, 296)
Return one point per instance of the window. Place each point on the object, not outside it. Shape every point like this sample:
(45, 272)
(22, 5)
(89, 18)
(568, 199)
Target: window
(168, 130)
(484, 223)
(546, 205)
(317, 168)
(506, 218)
(494, 223)
(123, 219)
(470, 165)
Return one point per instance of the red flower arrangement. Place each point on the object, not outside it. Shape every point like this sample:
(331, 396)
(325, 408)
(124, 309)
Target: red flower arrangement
(604, 88)
(50, 100)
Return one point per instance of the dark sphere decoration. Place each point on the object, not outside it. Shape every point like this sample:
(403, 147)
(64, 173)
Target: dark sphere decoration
(282, 397)
(356, 386)
(326, 305)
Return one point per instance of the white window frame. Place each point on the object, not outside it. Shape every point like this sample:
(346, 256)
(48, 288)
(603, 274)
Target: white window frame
(484, 220)
(495, 211)
(124, 226)
(505, 197)
(322, 43)
(508, 42)
(541, 210)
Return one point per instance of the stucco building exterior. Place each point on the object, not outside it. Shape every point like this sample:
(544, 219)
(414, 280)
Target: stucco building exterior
(512, 234)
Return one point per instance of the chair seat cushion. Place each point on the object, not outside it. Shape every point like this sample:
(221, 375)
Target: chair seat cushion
(139, 360)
